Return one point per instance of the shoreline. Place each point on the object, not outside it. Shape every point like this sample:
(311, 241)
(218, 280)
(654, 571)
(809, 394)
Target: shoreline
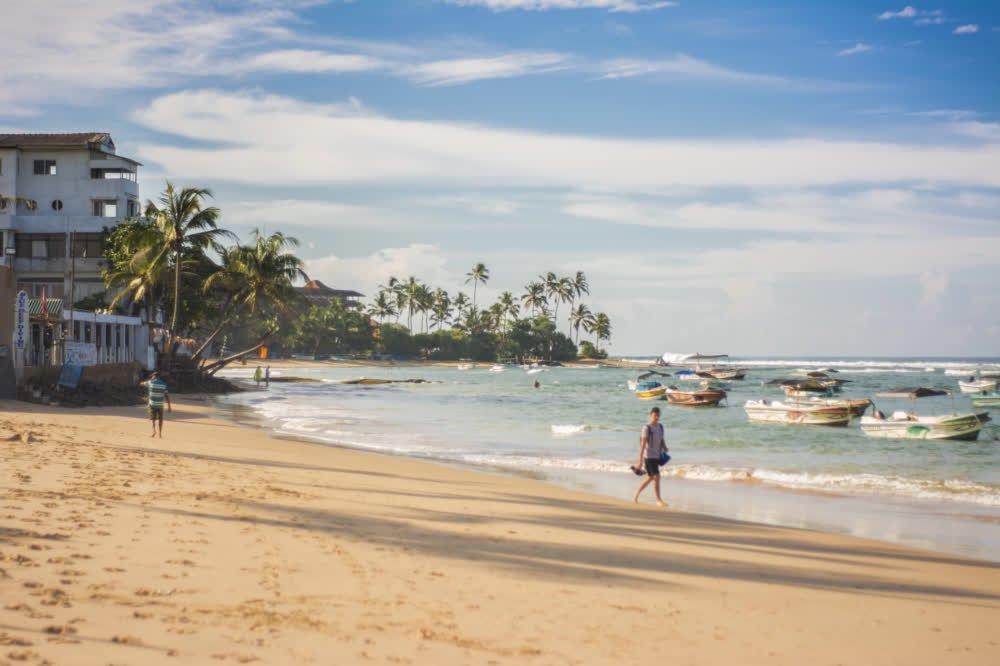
(912, 522)
(219, 542)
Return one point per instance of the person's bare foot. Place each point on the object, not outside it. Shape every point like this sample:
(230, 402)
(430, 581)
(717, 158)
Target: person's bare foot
(660, 504)
(635, 498)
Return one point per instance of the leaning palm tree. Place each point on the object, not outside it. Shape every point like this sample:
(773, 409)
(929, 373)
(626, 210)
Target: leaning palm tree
(184, 223)
(141, 276)
(580, 285)
(478, 274)
(252, 277)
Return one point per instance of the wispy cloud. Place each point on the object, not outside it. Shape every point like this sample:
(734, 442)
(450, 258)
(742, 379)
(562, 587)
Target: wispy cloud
(968, 29)
(860, 47)
(465, 70)
(627, 6)
(246, 134)
(682, 65)
(305, 61)
(905, 12)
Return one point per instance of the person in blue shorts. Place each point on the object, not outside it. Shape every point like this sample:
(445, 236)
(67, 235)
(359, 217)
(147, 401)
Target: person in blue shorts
(157, 395)
(651, 445)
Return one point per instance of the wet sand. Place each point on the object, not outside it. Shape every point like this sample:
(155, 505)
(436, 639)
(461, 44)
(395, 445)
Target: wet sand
(221, 544)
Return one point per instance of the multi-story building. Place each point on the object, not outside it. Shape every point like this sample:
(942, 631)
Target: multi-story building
(58, 187)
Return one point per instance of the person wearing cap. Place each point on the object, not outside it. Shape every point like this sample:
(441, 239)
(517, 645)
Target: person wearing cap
(156, 390)
(652, 446)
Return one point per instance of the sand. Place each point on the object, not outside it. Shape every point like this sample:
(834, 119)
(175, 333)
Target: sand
(219, 544)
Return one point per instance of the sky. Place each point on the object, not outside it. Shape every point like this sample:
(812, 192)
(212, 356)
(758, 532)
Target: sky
(753, 178)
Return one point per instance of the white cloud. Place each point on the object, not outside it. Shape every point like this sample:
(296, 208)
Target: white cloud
(969, 29)
(275, 141)
(306, 61)
(946, 114)
(682, 65)
(929, 20)
(305, 213)
(628, 6)
(905, 12)
(465, 70)
(860, 47)
(977, 130)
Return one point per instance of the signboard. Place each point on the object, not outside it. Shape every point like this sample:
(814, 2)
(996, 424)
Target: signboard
(69, 376)
(80, 353)
(21, 321)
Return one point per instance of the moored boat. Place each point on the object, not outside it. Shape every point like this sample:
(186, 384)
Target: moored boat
(907, 425)
(707, 397)
(765, 411)
(650, 390)
(987, 400)
(857, 407)
(980, 385)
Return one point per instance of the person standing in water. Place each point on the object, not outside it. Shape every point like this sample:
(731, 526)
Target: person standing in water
(651, 446)
(258, 375)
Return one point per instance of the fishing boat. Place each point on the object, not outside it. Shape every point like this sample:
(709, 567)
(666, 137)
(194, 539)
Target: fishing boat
(807, 388)
(648, 388)
(498, 368)
(986, 400)
(857, 407)
(718, 366)
(708, 397)
(907, 425)
(765, 411)
(980, 385)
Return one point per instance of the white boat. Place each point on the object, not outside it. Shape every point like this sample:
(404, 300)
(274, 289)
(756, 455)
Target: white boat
(981, 385)
(908, 425)
(718, 366)
(857, 407)
(534, 371)
(765, 411)
(465, 366)
(497, 368)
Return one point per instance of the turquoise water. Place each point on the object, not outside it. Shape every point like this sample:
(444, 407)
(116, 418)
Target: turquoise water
(580, 428)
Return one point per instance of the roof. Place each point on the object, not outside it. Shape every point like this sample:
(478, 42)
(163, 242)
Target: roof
(316, 289)
(53, 305)
(69, 140)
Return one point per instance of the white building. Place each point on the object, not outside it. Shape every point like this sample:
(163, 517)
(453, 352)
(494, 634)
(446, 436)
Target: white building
(54, 187)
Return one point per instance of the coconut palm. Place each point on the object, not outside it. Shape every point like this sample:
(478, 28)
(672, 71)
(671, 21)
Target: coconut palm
(184, 223)
(410, 292)
(252, 277)
(580, 316)
(460, 304)
(562, 292)
(508, 309)
(601, 327)
(382, 306)
(534, 297)
(425, 301)
(441, 308)
(580, 285)
(478, 274)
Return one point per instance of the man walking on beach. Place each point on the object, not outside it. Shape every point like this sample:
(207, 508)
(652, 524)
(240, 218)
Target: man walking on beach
(652, 446)
(156, 390)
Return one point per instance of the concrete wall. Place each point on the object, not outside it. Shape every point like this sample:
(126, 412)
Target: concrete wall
(124, 375)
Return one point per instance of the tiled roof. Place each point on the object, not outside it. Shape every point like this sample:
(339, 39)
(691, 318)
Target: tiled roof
(76, 140)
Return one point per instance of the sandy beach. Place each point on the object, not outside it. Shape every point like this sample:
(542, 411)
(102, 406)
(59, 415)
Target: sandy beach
(221, 544)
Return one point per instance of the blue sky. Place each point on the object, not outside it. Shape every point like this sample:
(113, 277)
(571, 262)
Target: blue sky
(752, 178)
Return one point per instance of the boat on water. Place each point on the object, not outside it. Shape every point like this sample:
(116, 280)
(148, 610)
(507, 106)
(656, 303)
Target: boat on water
(707, 397)
(983, 384)
(498, 368)
(991, 399)
(903, 424)
(646, 387)
(808, 388)
(766, 411)
(714, 366)
(857, 406)
(465, 366)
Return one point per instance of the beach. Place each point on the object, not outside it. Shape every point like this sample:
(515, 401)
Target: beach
(219, 543)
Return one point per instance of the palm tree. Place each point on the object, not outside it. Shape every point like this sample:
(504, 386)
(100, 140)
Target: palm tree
(251, 277)
(460, 304)
(478, 274)
(381, 307)
(578, 316)
(601, 327)
(580, 285)
(183, 223)
(441, 309)
(425, 301)
(534, 297)
(551, 282)
(410, 292)
(562, 292)
(141, 276)
(508, 309)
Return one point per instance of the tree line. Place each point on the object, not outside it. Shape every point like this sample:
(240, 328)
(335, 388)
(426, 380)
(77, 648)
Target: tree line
(221, 300)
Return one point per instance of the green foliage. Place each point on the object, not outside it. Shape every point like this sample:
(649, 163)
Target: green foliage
(587, 350)
(92, 303)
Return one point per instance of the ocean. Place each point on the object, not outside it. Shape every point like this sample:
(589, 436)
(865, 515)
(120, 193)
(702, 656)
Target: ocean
(580, 429)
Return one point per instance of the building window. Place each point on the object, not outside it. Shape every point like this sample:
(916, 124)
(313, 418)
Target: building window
(112, 174)
(106, 207)
(133, 208)
(40, 246)
(88, 245)
(57, 204)
(45, 167)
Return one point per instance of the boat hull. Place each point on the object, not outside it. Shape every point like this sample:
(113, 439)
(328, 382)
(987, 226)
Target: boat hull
(704, 398)
(782, 414)
(652, 394)
(964, 427)
(987, 401)
(978, 386)
(855, 407)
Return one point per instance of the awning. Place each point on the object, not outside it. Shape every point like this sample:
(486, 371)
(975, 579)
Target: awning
(53, 305)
